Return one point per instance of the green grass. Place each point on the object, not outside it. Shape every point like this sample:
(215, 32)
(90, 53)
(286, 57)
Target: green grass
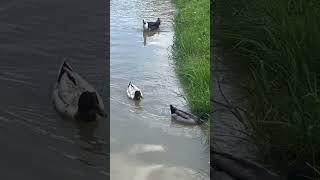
(279, 41)
(191, 53)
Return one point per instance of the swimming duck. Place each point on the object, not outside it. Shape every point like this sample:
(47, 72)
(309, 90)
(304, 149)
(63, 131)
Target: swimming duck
(134, 92)
(151, 25)
(184, 117)
(74, 97)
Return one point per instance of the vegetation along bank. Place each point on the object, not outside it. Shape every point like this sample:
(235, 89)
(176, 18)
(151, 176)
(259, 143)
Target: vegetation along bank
(279, 42)
(191, 53)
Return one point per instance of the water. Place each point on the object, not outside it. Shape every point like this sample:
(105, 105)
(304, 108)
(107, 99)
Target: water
(35, 36)
(145, 143)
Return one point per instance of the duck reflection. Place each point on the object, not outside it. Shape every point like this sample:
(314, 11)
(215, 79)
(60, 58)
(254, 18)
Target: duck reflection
(87, 137)
(147, 34)
(176, 124)
(137, 104)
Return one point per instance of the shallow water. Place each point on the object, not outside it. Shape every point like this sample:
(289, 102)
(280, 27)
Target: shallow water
(145, 143)
(35, 37)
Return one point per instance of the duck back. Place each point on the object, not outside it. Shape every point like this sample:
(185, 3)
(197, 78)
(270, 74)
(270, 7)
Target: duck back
(68, 92)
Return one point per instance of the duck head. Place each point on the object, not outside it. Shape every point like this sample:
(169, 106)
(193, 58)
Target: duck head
(158, 20)
(88, 106)
(137, 95)
(145, 24)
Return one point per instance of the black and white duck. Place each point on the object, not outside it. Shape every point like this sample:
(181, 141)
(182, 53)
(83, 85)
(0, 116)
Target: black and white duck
(185, 117)
(151, 25)
(74, 97)
(134, 92)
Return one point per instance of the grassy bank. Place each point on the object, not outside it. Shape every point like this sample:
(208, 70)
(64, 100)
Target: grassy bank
(279, 41)
(191, 52)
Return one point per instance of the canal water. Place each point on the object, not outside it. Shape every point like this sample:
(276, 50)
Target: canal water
(35, 36)
(145, 142)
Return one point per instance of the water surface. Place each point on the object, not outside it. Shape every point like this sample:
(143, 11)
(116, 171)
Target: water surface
(145, 143)
(35, 36)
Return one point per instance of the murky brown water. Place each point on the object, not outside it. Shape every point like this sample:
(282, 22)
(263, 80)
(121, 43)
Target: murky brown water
(145, 143)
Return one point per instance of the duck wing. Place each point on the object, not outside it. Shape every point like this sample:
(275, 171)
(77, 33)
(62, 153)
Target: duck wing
(136, 89)
(184, 120)
(157, 23)
(82, 86)
(62, 107)
(151, 23)
(66, 94)
(183, 114)
(184, 117)
(179, 112)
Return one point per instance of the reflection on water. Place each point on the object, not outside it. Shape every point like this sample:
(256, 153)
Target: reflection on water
(136, 103)
(145, 143)
(87, 135)
(142, 148)
(138, 170)
(147, 34)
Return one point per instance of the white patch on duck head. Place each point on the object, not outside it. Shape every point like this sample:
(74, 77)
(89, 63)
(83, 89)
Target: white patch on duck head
(145, 24)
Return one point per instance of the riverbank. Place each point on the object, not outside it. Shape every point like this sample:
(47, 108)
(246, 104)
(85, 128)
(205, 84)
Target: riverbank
(191, 53)
(277, 41)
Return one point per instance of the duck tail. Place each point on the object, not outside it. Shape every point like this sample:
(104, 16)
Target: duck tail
(60, 74)
(172, 109)
(61, 71)
(64, 65)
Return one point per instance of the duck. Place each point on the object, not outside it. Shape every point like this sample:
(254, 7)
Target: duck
(184, 117)
(134, 92)
(151, 25)
(74, 97)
